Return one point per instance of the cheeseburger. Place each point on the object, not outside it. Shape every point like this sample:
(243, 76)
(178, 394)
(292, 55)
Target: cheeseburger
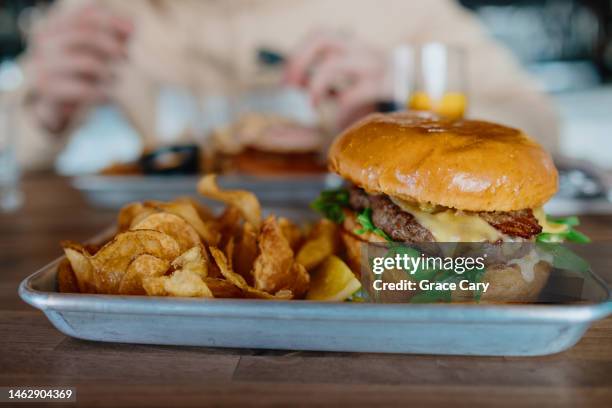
(416, 178)
(266, 144)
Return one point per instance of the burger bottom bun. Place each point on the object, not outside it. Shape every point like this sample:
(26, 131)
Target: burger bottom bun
(507, 285)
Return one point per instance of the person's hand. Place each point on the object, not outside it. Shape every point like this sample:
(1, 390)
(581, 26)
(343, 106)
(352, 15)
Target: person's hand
(330, 65)
(70, 61)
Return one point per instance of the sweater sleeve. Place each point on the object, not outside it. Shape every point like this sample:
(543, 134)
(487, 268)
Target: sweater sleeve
(35, 147)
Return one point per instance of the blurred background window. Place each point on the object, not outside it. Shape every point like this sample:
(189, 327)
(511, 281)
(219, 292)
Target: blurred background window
(15, 17)
(566, 45)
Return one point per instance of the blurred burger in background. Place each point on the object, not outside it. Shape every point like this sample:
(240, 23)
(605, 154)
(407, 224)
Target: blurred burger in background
(268, 144)
(256, 144)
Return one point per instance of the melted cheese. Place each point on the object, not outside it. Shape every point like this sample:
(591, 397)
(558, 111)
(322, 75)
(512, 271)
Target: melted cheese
(527, 265)
(547, 226)
(452, 226)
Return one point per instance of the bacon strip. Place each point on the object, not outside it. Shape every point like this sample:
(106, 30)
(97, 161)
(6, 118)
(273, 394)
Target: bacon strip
(520, 223)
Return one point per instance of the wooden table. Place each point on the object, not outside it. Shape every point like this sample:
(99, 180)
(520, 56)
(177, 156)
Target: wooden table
(32, 352)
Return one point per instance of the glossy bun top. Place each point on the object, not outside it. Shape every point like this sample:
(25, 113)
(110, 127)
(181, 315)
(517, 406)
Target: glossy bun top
(468, 165)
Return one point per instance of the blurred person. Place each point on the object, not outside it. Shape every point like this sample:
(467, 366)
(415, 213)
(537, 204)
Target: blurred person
(86, 53)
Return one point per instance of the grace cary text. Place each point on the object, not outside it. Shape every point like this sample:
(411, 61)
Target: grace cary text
(426, 285)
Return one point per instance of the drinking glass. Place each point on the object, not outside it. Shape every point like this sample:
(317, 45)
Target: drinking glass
(431, 77)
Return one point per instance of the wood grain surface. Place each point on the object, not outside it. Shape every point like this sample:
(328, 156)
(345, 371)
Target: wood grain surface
(33, 353)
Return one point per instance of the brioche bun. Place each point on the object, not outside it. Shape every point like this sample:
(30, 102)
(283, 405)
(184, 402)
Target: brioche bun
(467, 165)
(507, 284)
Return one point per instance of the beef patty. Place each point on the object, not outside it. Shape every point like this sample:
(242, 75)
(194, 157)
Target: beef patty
(402, 226)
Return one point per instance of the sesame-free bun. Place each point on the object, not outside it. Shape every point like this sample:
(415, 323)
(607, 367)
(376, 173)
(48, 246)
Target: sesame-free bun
(468, 165)
(508, 285)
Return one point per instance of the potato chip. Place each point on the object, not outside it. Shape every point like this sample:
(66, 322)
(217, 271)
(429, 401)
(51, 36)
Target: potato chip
(271, 268)
(142, 216)
(183, 283)
(301, 281)
(195, 260)
(246, 252)
(92, 249)
(292, 232)
(229, 252)
(74, 245)
(185, 209)
(155, 286)
(253, 293)
(221, 288)
(87, 249)
(203, 212)
(238, 281)
(229, 224)
(213, 271)
(111, 262)
(191, 267)
(127, 214)
(322, 241)
(245, 201)
(172, 225)
(224, 267)
(66, 279)
(274, 268)
(82, 267)
(140, 268)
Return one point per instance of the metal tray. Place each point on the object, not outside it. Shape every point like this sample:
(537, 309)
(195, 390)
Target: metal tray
(511, 330)
(115, 191)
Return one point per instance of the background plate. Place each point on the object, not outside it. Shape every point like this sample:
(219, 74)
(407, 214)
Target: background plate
(115, 191)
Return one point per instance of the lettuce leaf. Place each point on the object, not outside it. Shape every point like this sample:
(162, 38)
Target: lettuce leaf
(365, 219)
(564, 258)
(570, 234)
(331, 203)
